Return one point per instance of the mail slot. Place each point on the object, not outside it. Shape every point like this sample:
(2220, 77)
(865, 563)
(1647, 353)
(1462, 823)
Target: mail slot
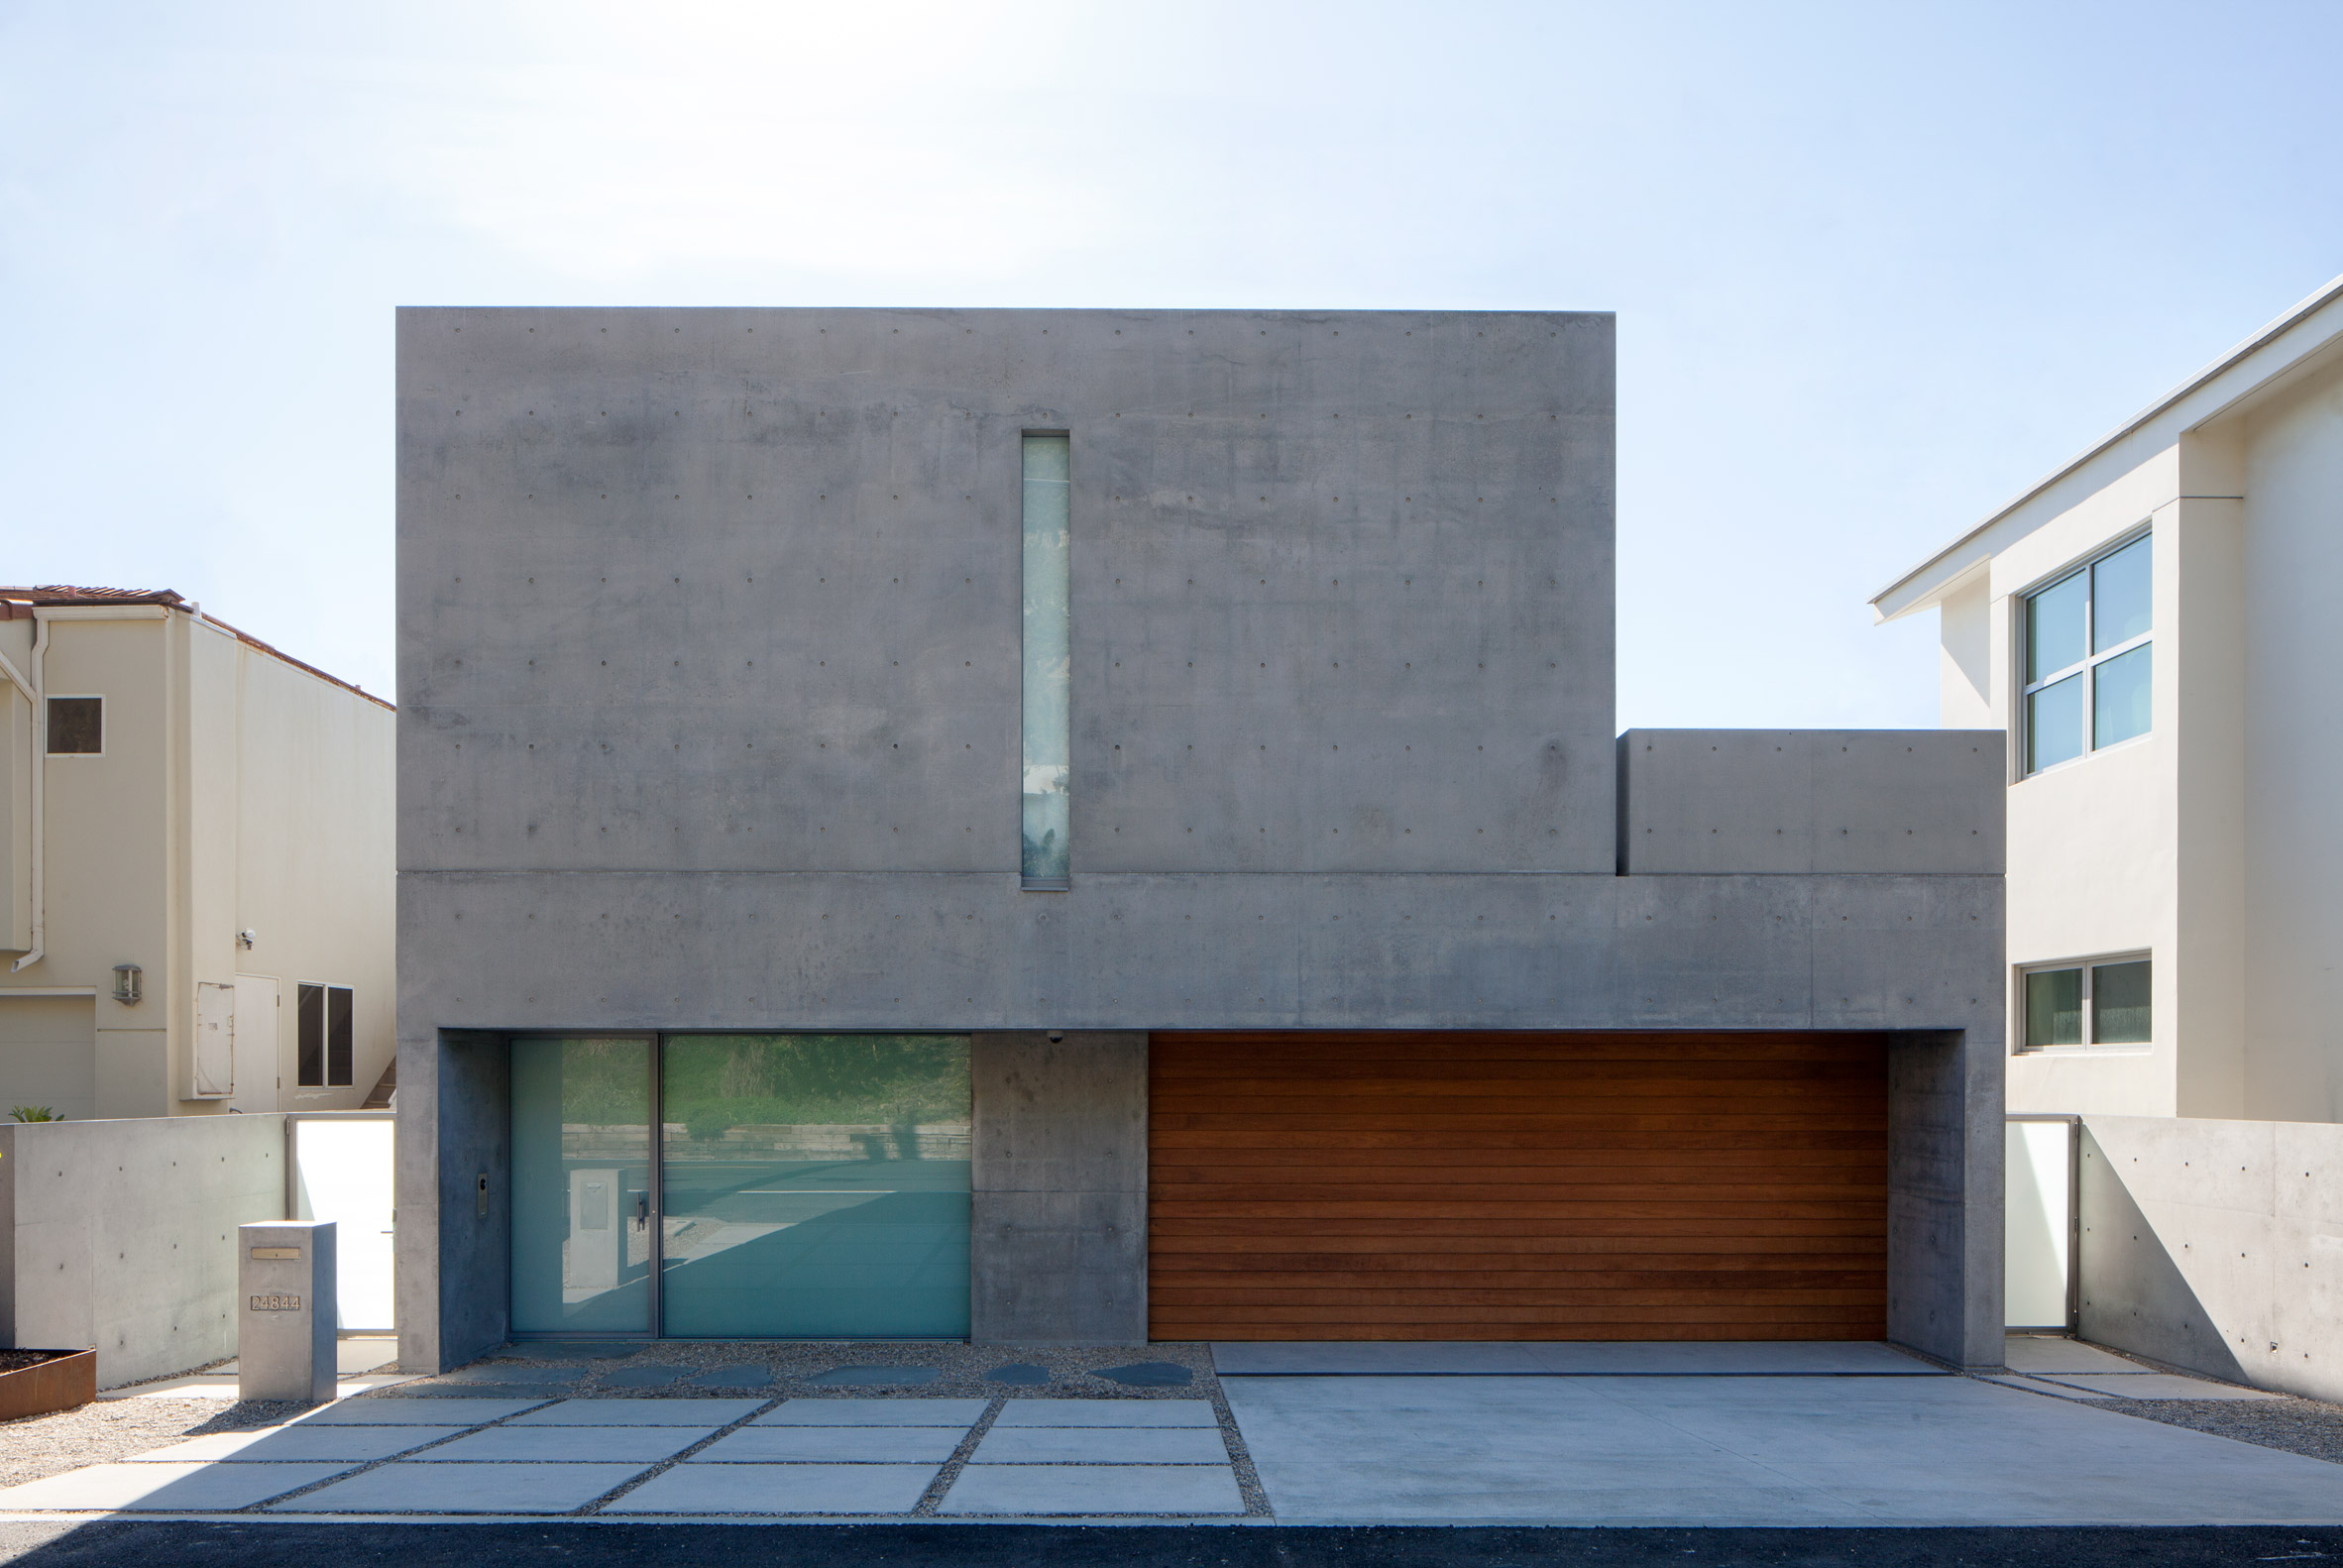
(284, 1339)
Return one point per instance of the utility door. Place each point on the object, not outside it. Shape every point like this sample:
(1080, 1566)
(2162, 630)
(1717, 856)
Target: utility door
(256, 1045)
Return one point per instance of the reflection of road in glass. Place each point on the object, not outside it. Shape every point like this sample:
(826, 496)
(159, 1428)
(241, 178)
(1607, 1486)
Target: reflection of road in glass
(815, 1247)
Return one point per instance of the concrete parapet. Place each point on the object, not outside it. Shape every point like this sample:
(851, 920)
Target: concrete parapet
(1810, 802)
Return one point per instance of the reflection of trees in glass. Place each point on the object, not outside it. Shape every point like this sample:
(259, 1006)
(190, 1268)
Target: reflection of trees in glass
(602, 1082)
(717, 1081)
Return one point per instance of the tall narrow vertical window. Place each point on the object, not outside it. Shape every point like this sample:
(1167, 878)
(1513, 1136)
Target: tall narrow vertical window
(1049, 743)
(2088, 658)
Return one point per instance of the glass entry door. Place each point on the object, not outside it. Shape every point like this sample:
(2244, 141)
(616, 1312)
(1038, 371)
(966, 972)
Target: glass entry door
(807, 1187)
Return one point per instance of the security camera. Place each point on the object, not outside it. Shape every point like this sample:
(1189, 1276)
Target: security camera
(247, 936)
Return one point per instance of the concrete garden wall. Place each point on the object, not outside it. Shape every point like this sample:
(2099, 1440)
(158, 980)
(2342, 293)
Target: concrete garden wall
(2216, 1246)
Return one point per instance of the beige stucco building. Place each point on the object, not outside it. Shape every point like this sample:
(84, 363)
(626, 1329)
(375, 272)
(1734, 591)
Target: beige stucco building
(2151, 624)
(196, 870)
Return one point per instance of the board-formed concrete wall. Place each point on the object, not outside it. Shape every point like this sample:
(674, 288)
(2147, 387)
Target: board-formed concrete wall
(709, 640)
(122, 1234)
(2216, 1245)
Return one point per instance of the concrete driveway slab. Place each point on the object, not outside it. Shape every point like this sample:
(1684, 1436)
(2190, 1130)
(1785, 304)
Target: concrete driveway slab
(2044, 1353)
(1719, 1451)
(706, 1414)
(1372, 1359)
(414, 1412)
(753, 1445)
(164, 1487)
(1106, 1412)
(301, 1444)
(1018, 1489)
(463, 1489)
(1573, 1358)
(2057, 1390)
(1101, 1445)
(2153, 1385)
(547, 1445)
(875, 1412)
(780, 1489)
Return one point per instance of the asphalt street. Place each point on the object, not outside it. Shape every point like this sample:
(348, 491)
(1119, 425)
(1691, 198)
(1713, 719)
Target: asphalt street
(239, 1545)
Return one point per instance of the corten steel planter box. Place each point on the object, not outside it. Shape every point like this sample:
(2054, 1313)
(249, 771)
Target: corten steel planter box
(68, 1380)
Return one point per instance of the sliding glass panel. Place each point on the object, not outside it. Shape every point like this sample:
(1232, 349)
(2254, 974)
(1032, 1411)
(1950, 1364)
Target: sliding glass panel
(309, 1036)
(2120, 700)
(2120, 590)
(2053, 1007)
(2053, 724)
(1048, 746)
(816, 1186)
(580, 1185)
(2119, 1004)
(2054, 626)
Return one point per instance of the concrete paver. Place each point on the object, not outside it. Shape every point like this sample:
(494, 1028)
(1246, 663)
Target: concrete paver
(301, 1444)
(874, 1412)
(1701, 1451)
(833, 1444)
(167, 1487)
(414, 1413)
(1106, 1412)
(1101, 1445)
(706, 1414)
(627, 1445)
(779, 1489)
(463, 1488)
(1017, 1489)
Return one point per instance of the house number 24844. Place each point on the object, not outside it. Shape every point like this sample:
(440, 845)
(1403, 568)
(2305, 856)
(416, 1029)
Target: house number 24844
(275, 1303)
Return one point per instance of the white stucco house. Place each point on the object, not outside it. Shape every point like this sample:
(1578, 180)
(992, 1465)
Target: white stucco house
(2153, 624)
(196, 896)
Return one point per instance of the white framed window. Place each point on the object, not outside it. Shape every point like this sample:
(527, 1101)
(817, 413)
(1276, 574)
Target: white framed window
(2086, 659)
(324, 1019)
(2086, 1004)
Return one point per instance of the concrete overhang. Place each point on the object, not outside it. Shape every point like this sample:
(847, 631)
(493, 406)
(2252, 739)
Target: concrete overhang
(2311, 331)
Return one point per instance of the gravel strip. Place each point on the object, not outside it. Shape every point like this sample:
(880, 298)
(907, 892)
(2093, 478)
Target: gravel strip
(959, 1370)
(111, 1429)
(2309, 1427)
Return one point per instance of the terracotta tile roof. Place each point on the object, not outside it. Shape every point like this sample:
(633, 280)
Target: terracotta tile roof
(60, 594)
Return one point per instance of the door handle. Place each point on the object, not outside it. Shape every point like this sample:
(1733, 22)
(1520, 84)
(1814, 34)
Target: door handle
(642, 1211)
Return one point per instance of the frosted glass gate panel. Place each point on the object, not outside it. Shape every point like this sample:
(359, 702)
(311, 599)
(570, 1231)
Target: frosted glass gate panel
(582, 1203)
(342, 1167)
(815, 1185)
(2039, 1222)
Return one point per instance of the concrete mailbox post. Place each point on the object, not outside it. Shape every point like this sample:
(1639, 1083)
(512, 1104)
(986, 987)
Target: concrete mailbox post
(285, 1340)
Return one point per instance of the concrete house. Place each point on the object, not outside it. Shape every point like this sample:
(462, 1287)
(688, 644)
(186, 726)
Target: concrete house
(2144, 625)
(195, 866)
(1094, 825)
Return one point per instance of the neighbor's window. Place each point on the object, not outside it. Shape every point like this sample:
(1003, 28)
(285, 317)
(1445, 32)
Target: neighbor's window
(2087, 1004)
(325, 1027)
(76, 726)
(2088, 658)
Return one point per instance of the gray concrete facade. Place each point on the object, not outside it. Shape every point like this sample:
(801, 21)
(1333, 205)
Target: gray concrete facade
(709, 702)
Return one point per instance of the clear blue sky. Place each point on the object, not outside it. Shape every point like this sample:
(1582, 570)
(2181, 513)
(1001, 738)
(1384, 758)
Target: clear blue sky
(1876, 267)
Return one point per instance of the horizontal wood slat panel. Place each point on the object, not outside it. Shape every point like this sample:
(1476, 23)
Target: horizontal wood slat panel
(1426, 1185)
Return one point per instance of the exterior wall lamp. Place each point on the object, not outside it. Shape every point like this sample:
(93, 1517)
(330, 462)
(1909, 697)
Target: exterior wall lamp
(126, 984)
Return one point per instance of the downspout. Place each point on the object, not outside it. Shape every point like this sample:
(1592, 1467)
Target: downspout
(39, 767)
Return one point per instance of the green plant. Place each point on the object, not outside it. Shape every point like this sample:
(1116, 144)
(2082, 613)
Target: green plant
(33, 1113)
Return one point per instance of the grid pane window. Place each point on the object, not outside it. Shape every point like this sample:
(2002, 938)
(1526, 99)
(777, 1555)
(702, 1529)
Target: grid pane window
(2089, 673)
(2080, 1005)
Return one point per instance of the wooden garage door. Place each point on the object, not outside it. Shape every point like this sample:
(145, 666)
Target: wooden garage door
(1447, 1185)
